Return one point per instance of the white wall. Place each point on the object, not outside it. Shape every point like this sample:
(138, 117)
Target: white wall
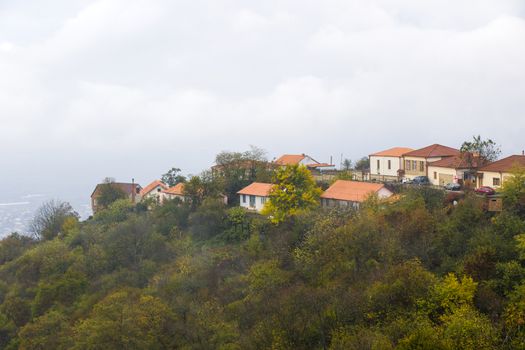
(383, 165)
(156, 194)
(259, 202)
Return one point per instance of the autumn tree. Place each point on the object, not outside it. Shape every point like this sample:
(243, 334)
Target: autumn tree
(294, 191)
(50, 218)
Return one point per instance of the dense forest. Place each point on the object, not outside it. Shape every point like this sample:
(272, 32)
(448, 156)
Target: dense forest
(414, 273)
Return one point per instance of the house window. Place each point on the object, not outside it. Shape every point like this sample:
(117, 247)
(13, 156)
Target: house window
(414, 165)
(421, 166)
(496, 181)
(378, 164)
(263, 200)
(435, 175)
(389, 164)
(244, 198)
(252, 201)
(407, 164)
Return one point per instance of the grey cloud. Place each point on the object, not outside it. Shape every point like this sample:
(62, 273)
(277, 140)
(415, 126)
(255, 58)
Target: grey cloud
(130, 88)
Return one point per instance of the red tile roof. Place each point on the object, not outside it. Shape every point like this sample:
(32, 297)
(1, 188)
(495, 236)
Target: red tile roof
(177, 190)
(152, 186)
(393, 152)
(455, 162)
(257, 189)
(352, 191)
(434, 150)
(290, 159)
(505, 165)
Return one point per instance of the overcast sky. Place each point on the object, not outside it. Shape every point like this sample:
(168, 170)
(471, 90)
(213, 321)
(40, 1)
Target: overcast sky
(129, 88)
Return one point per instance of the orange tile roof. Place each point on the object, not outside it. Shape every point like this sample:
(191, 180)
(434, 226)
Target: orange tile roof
(393, 152)
(290, 159)
(434, 150)
(152, 186)
(257, 189)
(177, 190)
(505, 165)
(352, 191)
(455, 162)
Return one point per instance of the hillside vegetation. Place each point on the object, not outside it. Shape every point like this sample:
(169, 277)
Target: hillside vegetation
(412, 274)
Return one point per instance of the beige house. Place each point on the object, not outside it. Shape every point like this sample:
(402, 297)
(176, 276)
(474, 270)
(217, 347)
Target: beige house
(386, 165)
(454, 169)
(345, 193)
(415, 163)
(495, 173)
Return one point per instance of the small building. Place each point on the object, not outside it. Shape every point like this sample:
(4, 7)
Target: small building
(495, 173)
(387, 165)
(154, 191)
(255, 195)
(455, 169)
(303, 159)
(132, 190)
(415, 163)
(345, 193)
(173, 192)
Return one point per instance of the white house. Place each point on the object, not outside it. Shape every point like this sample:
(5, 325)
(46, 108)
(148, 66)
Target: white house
(385, 165)
(254, 196)
(495, 173)
(345, 193)
(154, 191)
(173, 192)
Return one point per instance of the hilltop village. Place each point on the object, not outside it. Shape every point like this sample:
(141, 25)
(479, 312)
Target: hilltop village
(436, 165)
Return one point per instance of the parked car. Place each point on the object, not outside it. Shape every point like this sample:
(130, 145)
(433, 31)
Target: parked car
(406, 180)
(421, 180)
(485, 190)
(452, 186)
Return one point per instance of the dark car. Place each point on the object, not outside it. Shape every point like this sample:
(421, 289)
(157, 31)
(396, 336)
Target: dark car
(421, 180)
(452, 187)
(485, 190)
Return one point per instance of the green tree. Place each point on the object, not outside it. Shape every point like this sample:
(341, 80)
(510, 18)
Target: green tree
(362, 164)
(173, 177)
(109, 192)
(49, 331)
(239, 169)
(347, 164)
(514, 191)
(294, 191)
(50, 218)
(127, 319)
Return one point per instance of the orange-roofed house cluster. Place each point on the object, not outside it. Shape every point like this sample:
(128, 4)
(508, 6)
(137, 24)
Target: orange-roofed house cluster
(437, 164)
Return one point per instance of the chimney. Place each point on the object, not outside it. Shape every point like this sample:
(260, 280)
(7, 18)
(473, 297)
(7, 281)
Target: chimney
(330, 160)
(133, 191)
(523, 153)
